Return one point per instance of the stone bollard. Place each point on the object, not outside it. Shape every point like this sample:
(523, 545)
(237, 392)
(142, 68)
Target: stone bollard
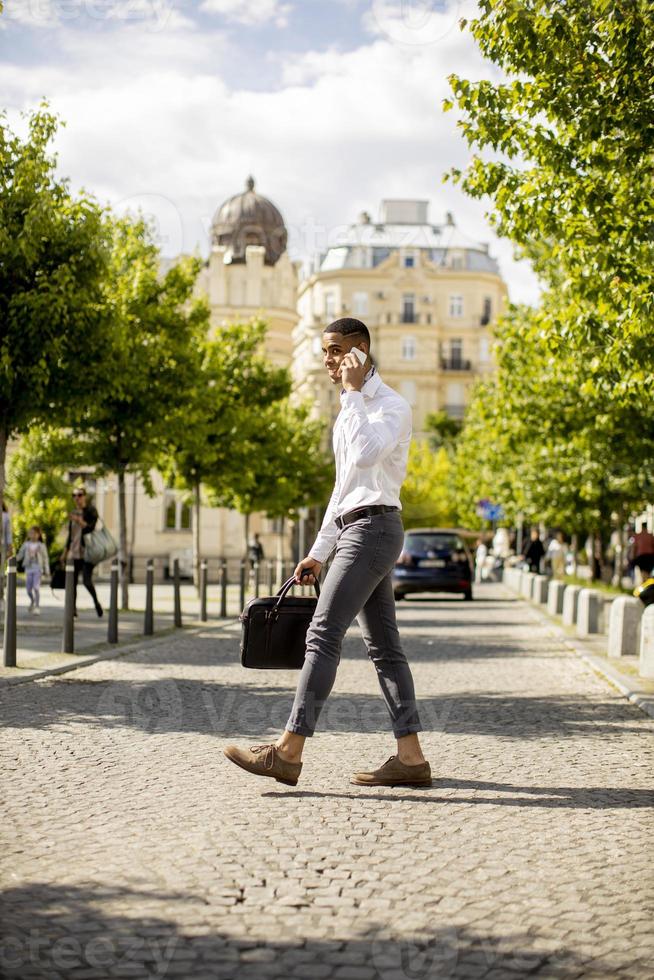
(624, 626)
(589, 606)
(646, 666)
(539, 589)
(570, 604)
(555, 592)
(525, 584)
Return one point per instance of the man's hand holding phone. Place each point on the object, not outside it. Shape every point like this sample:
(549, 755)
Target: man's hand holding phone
(353, 369)
(312, 567)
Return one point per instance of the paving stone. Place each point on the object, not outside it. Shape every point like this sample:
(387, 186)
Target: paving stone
(528, 855)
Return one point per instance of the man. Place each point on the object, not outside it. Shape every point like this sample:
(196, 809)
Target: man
(534, 552)
(371, 443)
(641, 552)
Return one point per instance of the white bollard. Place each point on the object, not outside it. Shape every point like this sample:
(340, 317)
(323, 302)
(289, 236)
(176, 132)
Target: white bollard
(646, 666)
(570, 603)
(539, 589)
(588, 612)
(555, 592)
(624, 626)
(525, 584)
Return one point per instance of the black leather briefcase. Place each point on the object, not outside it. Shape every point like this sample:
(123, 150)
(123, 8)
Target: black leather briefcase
(274, 629)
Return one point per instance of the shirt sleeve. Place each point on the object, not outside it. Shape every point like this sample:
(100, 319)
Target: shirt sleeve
(326, 539)
(371, 440)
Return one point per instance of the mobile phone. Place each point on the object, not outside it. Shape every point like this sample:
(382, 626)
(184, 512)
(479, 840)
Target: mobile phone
(361, 355)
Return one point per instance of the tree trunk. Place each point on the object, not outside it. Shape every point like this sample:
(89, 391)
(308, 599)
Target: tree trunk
(196, 535)
(122, 537)
(247, 533)
(3, 549)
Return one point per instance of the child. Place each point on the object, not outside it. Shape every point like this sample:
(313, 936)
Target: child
(34, 556)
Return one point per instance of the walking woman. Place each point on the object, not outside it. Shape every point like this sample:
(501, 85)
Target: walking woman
(82, 521)
(34, 556)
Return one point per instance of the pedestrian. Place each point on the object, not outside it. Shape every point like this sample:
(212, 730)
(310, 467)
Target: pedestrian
(255, 551)
(534, 551)
(481, 554)
(34, 556)
(555, 555)
(641, 552)
(82, 520)
(362, 523)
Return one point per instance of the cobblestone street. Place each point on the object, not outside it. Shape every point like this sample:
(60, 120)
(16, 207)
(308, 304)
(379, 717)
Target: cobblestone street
(132, 848)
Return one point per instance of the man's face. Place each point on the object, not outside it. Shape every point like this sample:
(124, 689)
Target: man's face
(334, 348)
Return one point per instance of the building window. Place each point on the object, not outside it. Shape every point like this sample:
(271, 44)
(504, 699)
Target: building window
(487, 311)
(360, 304)
(316, 346)
(408, 308)
(177, 513)
(408, 390)
(428, 317)
(330, 305)
(409, 260)
(455, 400)
(456, 305)
(484, 352)
(456, 352)
(408, 348)
(456, 260)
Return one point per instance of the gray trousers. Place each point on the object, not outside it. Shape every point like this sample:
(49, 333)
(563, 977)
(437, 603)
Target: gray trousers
(358, 584)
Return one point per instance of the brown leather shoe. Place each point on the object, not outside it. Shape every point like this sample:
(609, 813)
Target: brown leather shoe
(395, 773)
(264, 760)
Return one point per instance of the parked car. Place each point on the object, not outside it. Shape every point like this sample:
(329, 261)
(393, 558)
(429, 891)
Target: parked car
(434, 560)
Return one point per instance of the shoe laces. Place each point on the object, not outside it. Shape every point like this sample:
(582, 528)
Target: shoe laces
(267, 753)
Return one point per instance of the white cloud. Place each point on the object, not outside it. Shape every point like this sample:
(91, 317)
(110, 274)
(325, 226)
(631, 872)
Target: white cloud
(152, 124)
(250, 11)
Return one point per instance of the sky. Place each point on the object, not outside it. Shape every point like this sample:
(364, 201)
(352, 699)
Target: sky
(332, 105)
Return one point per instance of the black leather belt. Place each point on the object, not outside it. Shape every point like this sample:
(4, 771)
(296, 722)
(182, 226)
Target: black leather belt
(356, 515)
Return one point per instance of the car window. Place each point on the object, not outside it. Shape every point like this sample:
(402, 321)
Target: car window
(421, 544)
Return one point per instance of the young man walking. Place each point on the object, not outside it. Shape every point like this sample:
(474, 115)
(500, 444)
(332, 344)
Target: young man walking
(362, 521)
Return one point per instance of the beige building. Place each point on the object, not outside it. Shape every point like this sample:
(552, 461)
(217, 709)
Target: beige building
(248, 274)
(429, 296)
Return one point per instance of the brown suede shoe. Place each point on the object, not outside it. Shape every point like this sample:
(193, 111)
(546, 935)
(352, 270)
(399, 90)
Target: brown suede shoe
(264, 760)
(395, 773)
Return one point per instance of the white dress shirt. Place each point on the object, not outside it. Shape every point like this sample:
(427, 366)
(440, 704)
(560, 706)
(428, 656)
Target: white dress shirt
(371, 445)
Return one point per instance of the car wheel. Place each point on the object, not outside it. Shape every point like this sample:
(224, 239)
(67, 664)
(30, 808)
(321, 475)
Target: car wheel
(468, 595)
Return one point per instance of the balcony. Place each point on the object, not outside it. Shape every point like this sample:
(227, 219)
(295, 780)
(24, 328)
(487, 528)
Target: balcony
(455, 364)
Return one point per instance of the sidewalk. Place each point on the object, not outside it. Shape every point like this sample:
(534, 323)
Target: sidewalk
(133, 848)
(39, 638)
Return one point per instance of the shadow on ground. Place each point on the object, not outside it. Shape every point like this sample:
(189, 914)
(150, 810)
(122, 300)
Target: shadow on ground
(54, 932)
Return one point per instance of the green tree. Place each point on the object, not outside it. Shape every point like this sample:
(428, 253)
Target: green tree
(426, 493)
(563, 433)
(283, 466)
(53, 256)
(38, 490)
(443, 430)
(143, 373)
(233, 385)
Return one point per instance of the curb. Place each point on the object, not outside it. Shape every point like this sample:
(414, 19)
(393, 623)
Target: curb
(106, 652)
(622, 682)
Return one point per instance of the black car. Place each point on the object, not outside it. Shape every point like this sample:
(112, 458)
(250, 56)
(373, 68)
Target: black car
(433, 560)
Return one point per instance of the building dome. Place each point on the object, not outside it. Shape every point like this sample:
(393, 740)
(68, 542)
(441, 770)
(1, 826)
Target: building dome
(249, 219)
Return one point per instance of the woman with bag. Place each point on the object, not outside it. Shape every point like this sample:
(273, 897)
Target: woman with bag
(82, 522)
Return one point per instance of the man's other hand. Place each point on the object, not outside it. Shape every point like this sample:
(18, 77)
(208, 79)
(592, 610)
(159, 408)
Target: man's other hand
(312, 566)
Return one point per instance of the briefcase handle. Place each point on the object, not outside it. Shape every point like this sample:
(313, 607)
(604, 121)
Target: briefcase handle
(288, 585)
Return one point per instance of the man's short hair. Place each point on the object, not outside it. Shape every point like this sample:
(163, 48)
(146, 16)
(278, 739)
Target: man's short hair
(348, 326)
